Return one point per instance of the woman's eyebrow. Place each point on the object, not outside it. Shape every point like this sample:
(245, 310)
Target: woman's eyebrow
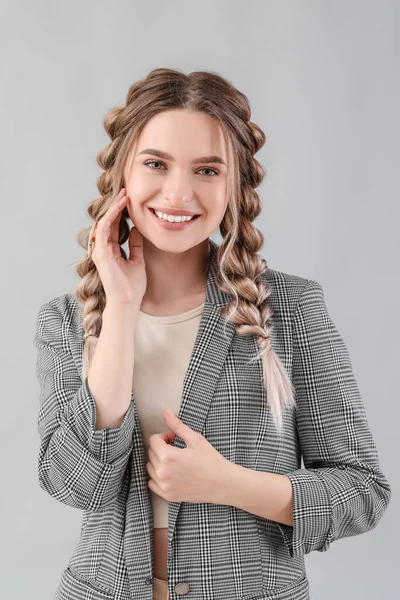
(202, 159)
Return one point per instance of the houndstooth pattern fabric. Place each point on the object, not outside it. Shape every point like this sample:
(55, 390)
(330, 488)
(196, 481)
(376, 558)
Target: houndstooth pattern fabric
(217, 551)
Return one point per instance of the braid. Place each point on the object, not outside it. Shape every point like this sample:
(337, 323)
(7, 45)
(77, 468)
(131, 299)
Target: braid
(240, 264)
(252, 311)
(90, 291)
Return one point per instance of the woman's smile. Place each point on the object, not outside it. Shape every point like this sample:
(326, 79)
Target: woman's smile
(174, 226)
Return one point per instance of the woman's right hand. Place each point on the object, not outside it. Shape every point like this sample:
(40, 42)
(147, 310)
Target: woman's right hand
(124, 280)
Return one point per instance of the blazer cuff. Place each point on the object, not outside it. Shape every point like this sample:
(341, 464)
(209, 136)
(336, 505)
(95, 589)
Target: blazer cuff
(107, 445)
(73, 475)
(312, 514)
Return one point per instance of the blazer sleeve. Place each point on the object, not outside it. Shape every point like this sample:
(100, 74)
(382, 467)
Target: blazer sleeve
(342, 491)
(78, 465)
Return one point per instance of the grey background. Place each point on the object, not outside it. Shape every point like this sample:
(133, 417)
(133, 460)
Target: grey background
(323, 81)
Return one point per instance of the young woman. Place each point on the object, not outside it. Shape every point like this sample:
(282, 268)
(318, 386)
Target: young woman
(209, 502)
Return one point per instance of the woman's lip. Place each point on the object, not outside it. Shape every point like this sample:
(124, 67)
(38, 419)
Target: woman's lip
(153, 211)
(173, 225)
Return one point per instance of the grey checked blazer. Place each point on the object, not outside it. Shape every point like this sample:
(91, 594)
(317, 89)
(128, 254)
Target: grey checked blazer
(219, 551)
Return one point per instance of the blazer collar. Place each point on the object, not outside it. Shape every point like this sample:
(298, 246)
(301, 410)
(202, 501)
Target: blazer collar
(214, 337)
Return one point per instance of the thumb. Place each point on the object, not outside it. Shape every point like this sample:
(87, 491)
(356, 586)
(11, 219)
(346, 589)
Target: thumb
(180, 429)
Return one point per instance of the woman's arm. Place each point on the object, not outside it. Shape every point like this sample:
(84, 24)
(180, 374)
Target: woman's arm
(342, 491)
(78, 465)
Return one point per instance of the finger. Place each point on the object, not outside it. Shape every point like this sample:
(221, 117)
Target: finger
(157, 438)
(108, 225)
(119, 204)
(151, 471)
(171, 437)
(152, 456)
(108, 218)
(135, 243)
(157, 443)
(168, 437)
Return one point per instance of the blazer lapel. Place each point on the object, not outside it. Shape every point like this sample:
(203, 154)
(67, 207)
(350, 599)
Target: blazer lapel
(210, 349)
(213, 339)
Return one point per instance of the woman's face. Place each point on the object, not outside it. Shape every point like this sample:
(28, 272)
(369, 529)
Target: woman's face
(179, 181)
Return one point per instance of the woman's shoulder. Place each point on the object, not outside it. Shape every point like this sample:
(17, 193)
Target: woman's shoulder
(286, 288)
(66, 307)
(277, 277)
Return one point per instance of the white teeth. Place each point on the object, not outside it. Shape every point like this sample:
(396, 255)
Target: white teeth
(171, 218)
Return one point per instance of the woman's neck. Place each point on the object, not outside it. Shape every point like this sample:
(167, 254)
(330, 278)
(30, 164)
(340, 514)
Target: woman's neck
(173, 276)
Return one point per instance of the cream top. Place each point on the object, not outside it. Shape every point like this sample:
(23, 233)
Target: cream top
(163, 347)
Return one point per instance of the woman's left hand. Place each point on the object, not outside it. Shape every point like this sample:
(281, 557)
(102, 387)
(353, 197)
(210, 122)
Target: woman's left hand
(197, 473)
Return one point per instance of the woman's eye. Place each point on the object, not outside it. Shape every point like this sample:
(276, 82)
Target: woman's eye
(152, 162)
(212, 170)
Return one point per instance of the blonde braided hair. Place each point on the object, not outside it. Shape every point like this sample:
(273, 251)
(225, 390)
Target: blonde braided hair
(240, 265)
